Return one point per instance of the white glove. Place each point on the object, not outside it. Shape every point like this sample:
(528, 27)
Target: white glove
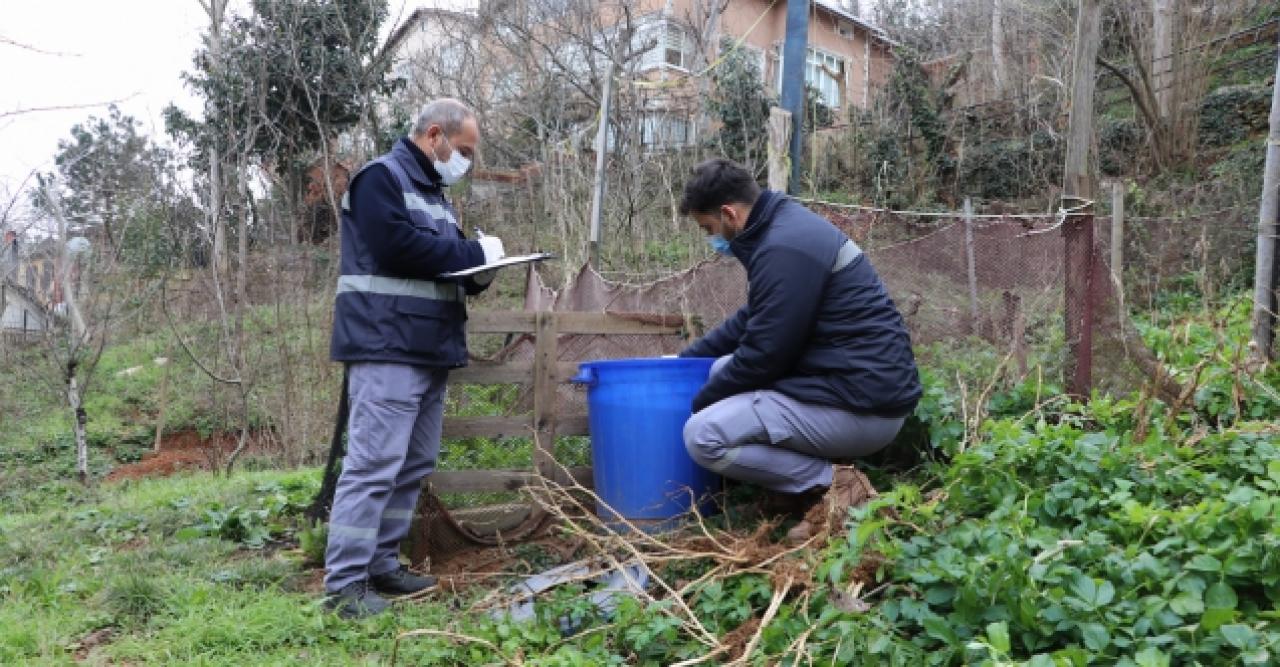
(492, 247)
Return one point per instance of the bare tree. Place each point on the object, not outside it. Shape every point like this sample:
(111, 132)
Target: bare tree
(1170, 47)
(534, 71)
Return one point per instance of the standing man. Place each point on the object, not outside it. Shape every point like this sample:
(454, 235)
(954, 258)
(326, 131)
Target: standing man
(398, 327)
(816, 367)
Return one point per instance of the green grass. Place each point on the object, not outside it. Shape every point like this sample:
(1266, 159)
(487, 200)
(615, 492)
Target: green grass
(119, 561)
(203, 569)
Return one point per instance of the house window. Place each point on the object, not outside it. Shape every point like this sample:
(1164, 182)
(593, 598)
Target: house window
(822, 71)
(825, 72)
(668, 45)
(674, 48)
(403, 70)
(661, 130)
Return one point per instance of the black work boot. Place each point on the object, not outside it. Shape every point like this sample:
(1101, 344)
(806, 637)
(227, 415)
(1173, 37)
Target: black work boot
(356, 600)
(401, 582)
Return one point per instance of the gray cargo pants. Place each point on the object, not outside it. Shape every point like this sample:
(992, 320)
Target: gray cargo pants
(767, 438)
(393, 440)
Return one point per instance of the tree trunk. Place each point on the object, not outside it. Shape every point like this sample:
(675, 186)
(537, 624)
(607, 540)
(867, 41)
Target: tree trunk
(81, 419)
(1264, 286)
(999, 62)
(241, 303)
(1162, 56)
(602, 153)
(710, 35)
(216, 9)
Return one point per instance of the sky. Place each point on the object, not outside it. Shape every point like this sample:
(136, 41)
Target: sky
(85, 53)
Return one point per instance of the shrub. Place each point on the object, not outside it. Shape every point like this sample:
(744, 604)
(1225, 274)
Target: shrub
(1233, 113)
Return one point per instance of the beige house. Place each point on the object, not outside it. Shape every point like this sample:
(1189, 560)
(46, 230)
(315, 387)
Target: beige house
(848, 60)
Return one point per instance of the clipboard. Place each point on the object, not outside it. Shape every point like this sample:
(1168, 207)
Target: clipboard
(505, 261)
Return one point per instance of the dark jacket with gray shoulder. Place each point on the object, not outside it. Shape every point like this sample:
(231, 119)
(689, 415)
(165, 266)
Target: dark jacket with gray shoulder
(818, 325)
(399, 233)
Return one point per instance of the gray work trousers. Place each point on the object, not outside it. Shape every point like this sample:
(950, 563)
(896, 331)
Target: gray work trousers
(767, 438)
(393, 441)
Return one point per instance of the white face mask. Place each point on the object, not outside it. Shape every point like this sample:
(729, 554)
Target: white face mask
(453, 170)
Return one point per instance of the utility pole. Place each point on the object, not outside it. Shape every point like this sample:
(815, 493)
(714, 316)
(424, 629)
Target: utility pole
(793, 58)
(1264, 277)
(1077, 200)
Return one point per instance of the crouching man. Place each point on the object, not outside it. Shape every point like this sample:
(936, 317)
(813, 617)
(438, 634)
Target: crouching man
(817, 366)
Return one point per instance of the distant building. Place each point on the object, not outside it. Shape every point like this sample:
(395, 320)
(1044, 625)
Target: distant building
(20, 311)
(848, 61)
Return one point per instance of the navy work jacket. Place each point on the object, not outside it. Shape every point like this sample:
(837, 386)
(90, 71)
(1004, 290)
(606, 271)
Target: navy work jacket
(399, 233)
(818, 325)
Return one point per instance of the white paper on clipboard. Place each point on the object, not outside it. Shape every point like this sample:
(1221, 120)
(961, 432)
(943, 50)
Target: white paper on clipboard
(505, 261)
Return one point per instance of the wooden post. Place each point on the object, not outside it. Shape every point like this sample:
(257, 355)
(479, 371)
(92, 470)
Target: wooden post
(779, 139)
(1077, 195)
(544, 394)
(1117, 238)
(1016, 327)
(1264, 285)
(164, 401)
(602, 152)
(972, 264)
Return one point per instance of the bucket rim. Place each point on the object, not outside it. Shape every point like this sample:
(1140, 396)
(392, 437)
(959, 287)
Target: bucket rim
(648, 362)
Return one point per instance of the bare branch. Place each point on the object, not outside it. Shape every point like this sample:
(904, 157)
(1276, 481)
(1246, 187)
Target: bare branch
(65, 107)
(36, 49)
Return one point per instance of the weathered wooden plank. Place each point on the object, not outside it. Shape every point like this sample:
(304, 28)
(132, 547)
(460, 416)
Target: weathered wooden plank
(519, 426)
(500, 321)
(578, 323)
(486, 481)
(609, 324)
(572, 425)
(511, 372)
(488, 427)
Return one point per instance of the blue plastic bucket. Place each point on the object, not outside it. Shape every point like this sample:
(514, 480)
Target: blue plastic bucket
(637, 409)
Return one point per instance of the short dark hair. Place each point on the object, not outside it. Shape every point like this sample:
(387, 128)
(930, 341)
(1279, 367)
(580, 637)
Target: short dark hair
(717, 182)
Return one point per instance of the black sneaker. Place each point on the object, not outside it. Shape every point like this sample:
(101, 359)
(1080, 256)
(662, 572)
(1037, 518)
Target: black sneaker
(355, 600)
(401, 582)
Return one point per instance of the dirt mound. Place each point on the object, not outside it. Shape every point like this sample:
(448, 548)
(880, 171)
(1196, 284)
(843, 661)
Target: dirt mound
(186, 450)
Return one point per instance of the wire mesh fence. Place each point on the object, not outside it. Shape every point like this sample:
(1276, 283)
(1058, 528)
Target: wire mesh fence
(965, 286)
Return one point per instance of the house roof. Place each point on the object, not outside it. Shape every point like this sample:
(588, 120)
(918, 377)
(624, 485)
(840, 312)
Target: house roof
(13, 288)
(835, 8)
(398, 35)
(415, 18)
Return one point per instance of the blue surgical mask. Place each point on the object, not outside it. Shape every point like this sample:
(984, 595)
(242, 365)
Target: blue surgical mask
(718, 244)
